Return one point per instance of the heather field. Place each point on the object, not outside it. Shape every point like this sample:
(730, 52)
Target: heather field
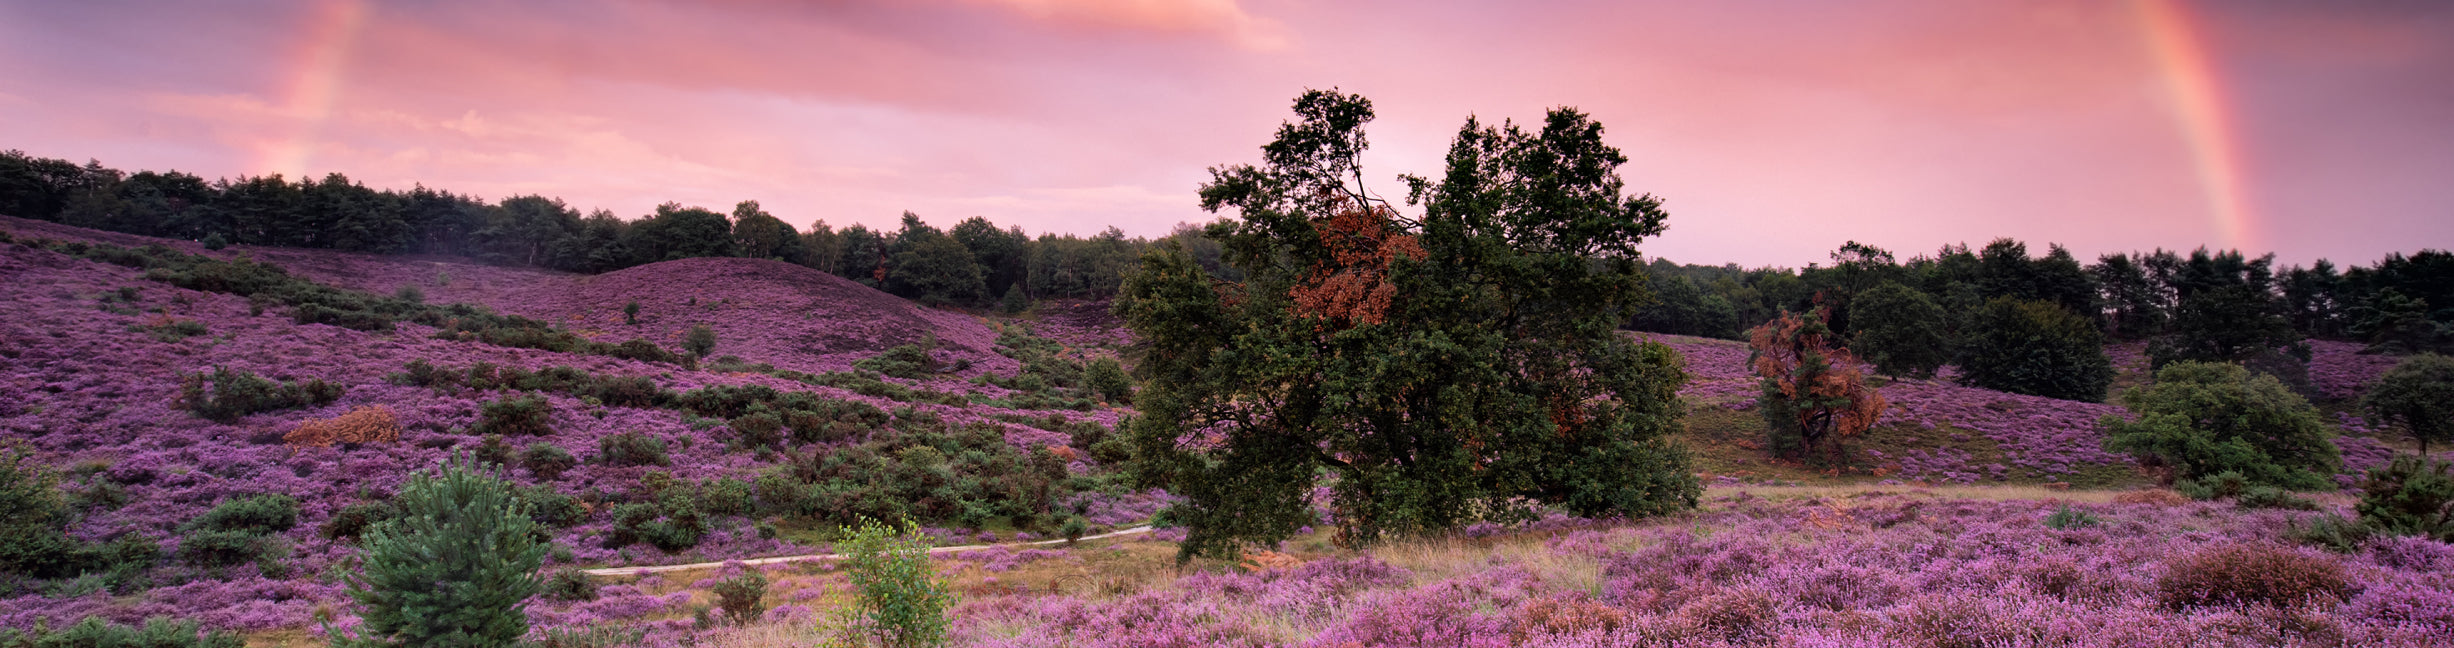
(1934, 532)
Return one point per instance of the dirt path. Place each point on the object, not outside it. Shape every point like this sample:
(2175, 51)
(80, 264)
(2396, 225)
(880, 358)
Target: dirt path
(754, 562)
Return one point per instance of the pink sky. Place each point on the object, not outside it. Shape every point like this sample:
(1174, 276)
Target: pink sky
(1775, 130)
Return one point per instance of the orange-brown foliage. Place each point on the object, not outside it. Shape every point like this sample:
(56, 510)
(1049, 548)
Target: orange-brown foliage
(368, 424)
(1783, 345)
(1352, 288)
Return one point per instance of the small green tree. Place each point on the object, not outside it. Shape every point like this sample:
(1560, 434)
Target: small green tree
(700, 341)
(630, 312)
(2412, 495)
(900, 596)
(1107, 377)
(1899, 330)
(2209, 418)
(2035, 348)
(455, 568)
(2416, 395)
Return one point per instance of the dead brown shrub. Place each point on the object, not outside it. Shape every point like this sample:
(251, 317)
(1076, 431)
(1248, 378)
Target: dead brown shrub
(2251, 574)
(366, 424)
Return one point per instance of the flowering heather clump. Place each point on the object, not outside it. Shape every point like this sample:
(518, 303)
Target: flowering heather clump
(2250, 574)
(363, 424)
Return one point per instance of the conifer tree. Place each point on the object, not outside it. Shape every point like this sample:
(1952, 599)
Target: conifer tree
(454, 569)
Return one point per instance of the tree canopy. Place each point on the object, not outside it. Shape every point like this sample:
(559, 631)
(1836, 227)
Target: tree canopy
(1438, 369)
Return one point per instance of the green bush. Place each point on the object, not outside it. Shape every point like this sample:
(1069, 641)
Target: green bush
(491, 449)
(909, 361)
(631, 449)
(628, 391)
(2410, 495)
(699, 341)
(900, 597)
(725, 496)
(2223, 485)
(630, 312)
(552, 508)
(352, 521)
(1106, 377)
(223, 548)
(2068, 518)
(2332, 533)
(524, 415)
(760, 428)
(261, 514)
(455, 569)
(2209, 418)
(2035, 348)
(547, 461)
(1073, 529)
(742, 597)
(643, 351)
(568, 584)
(225, 395)
(671, 524)
(2269, 497)
(94, 632)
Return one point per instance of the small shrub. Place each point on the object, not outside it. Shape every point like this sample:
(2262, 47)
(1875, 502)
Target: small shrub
(552, 508)
(2248, 575)
(1107, 377)
(94, 632)
(493, 450)
(1073, 529)
(262, 514)
(726, 496)
(630, 313)
(2223, 485)
(352, 521)
(632, 449)
(2410, 495)
(525, 415)
(758, 429)
(2269, 497)
(699, 341)
(2068, 518)
(672, 524)
(909, 361)
(568, 584)
(743, 597)
(410, 293)
(899, 594)
(222, 548)
(643, 351)
(2332, 533)
(225, 395)
(627, 391)
(547, 461)
(364, 424)
(215, 241)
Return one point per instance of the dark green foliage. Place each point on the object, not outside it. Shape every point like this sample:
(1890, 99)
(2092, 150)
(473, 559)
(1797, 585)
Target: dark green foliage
(2269, 497)
(516, 416)
(2223, 485)
(725, 496)
(907, 361)
(2410, 496)
(410, 293)
(568, 584)
(1073, 529)
(742, 597)
(2066, 518)
(352, 521)
(225, 395)
(700, 340)
(2226, 311)
(630, 312)
(631, 449)
(1899, 330)
(94, 632)
(927, 266)
(1682, 306)
(2204, 419)
(672, 523)
(2330, 532)
(491, 449)
(547, 461)
(2035, 348)
(643, 351)
(552, 508)
(215, 241)
(1106, 377)
(33, 530)
(923, 472)
(1015, 301)
(2417, 395)
(901, 600)
(455, 569)
(262, 514)
(1456, 366)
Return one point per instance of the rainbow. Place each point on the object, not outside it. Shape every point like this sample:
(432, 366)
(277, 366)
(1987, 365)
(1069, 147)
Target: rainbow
(322, 55)
(2199, 110)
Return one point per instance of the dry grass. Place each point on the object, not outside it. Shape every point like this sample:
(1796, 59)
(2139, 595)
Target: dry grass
(2007, 492)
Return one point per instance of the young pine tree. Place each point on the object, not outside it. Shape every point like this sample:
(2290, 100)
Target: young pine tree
(456, 568)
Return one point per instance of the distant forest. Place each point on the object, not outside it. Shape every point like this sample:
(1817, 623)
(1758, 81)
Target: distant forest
(2207, 304)
(975, 263)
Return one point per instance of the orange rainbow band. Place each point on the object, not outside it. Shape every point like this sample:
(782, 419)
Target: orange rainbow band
(2199, 110)
(322, 55)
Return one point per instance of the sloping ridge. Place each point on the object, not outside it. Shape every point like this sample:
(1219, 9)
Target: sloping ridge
(762, 311)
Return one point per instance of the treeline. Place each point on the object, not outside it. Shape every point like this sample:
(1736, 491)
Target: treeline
(2217, 306)
(974, 263)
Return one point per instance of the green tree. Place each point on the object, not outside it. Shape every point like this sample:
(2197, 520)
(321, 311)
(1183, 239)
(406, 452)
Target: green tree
(760, 235)
(2206, 418)
(677, 232)
(1900, 331)
(2417, 395)
(900, 595)
(933, 268)
(455, 568)
(700, 340)
(2226, 311)
(526, 228)
(1455, 366)
(2035, 348)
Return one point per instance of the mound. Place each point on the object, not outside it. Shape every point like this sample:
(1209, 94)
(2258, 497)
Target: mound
(762, 311)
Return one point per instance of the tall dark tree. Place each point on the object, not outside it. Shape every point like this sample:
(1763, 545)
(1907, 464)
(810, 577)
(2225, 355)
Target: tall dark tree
(760, 235)
(677, 232)
(1455, 366)
(2225, 311)
(1901, 331)
(2134, 303)
(525, 228)
(998, 252)
(2035, 348)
